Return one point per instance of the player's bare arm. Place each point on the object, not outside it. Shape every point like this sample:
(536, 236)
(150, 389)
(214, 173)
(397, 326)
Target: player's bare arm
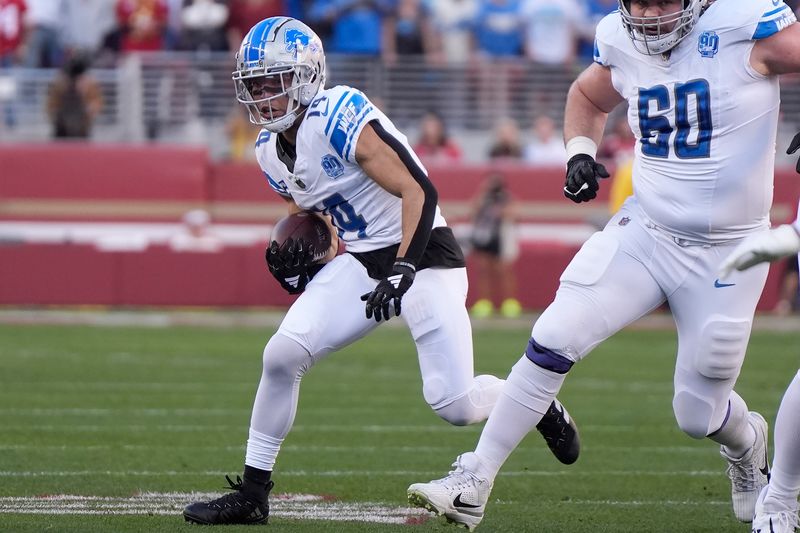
(385, 160)
(591, 97)
(779, 53)
(382, 163)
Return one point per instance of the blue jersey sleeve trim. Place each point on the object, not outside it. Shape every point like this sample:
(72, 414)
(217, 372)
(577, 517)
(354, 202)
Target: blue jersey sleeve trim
(352, 134)
(778, 10)
(333, 114)
(767, 28)
(346, 122)
(596, 54)
(262, 138)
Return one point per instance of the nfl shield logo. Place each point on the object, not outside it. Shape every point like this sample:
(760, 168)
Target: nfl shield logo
(624, 221)
(708, 44)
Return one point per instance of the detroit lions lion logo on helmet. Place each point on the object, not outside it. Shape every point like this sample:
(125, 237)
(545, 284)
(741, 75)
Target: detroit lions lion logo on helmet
(294, 37)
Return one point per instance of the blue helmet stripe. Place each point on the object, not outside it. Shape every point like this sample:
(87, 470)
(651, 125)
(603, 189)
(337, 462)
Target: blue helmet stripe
(257, 36)
(272, 31)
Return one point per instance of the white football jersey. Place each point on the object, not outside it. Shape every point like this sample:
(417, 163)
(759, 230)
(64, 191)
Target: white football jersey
(328, 179)
(705, 119)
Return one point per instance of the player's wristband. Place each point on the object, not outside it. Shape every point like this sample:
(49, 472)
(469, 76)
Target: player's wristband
(581, 145)
(403, 264)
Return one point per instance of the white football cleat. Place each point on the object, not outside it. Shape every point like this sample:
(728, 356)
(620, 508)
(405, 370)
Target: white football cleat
(783, 521)
(460, 497)
(750, 473)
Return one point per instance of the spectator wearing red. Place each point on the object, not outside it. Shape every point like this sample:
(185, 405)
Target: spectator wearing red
(434, 145)
(143, 23)
(244, 14)
(11, 31)
(11, 34)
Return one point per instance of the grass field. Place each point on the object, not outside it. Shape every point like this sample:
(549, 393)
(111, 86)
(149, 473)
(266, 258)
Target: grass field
(122, 416)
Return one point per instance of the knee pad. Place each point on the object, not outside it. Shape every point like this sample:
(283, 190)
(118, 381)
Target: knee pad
(461, 412)
(434, 390)
(475, 405)
(721, 349)
(285, 358)
(693, 413)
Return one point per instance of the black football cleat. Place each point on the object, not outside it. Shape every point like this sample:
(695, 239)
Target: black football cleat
(560, 433)
(232, 508)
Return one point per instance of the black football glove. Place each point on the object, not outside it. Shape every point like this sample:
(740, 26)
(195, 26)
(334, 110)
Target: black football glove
(582, 173)
(793, 146)
(292, 264)
(390, 290)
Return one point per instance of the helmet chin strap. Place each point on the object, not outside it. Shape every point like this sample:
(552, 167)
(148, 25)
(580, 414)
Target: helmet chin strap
(288, 120)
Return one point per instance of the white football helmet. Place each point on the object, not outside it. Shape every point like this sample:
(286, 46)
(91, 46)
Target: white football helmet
(646, 34)
(279, 57)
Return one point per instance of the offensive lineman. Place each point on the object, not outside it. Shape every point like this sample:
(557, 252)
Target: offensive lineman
(700, 79)
(333, 152)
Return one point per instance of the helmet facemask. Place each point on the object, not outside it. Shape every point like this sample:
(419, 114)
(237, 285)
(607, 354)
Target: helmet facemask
(264, 95)
(647, 33)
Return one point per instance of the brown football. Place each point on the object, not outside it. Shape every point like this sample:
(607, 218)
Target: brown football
(310, 227)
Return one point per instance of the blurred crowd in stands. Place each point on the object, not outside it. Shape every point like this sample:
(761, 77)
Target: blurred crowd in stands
(554, 35)
(43, 33)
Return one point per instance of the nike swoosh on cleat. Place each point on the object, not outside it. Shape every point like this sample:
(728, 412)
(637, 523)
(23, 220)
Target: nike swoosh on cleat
(765, 469)
(718, 284)
(458, 503)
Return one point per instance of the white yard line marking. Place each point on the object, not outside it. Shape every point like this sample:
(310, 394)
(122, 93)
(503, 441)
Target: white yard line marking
(700, 450)
(367, 473)
(297, 506)
(629, 503)
(301, 506)
(118, 427)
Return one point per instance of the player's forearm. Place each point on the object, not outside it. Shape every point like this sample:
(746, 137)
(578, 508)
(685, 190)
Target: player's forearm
(413, 202)
(394, 168)
(582, 118)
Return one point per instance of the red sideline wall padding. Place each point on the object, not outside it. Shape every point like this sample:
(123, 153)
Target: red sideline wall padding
(97, 172)
(98, 179)
(525, 183)
(69, 274)
(239, 182)
(168, 180)
(79, 274)
(51, 274)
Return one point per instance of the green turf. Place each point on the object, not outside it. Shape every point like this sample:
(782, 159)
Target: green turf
(117, 411)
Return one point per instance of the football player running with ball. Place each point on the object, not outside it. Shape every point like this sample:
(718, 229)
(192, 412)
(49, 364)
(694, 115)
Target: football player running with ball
(776, 508)
(331, 151)
(700, 80)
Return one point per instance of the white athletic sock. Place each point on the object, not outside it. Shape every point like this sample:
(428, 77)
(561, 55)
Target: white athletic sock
(527, 394)
(784, 486)
(736, 435)
(262, 450)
